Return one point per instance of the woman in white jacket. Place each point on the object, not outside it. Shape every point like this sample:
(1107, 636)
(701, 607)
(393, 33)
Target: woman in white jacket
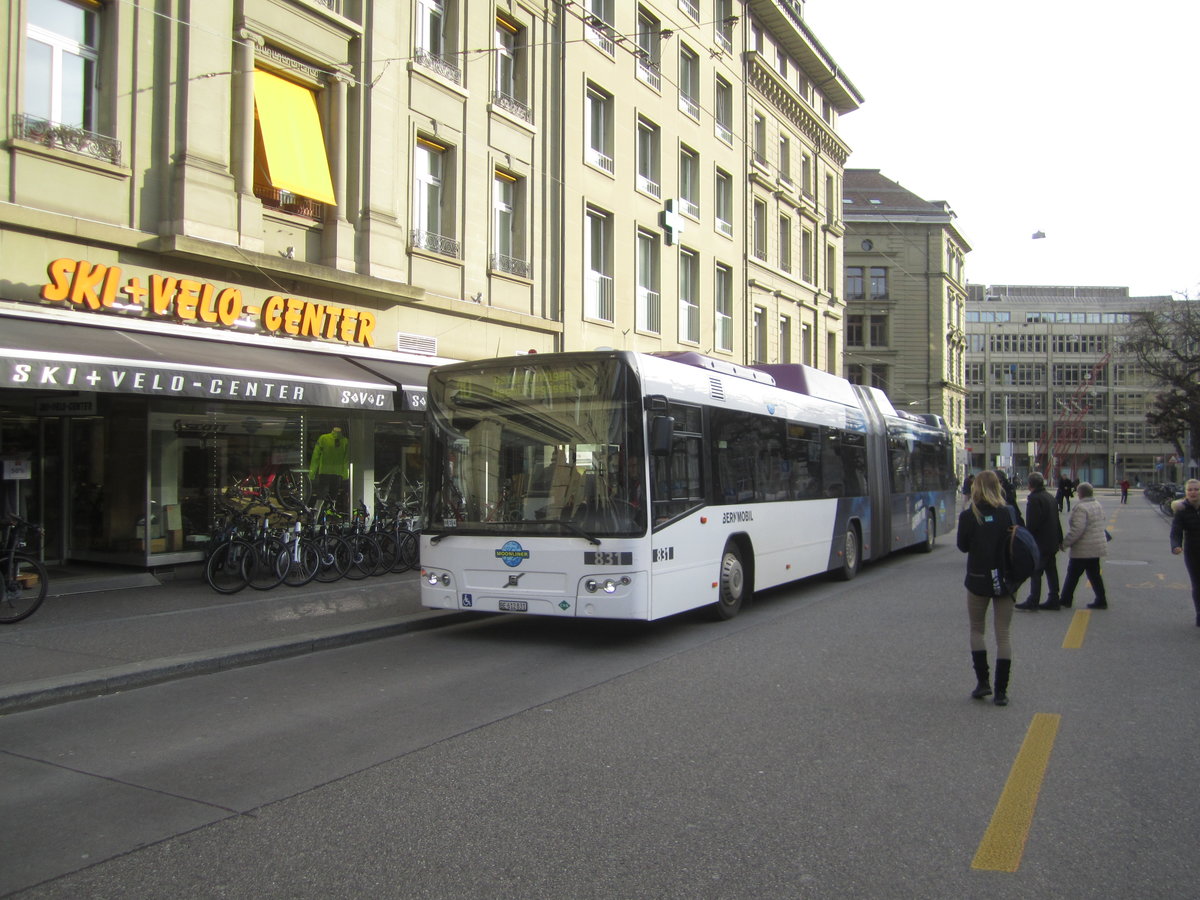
(1086, 541)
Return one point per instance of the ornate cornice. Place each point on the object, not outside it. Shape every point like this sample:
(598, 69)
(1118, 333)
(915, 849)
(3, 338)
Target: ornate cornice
(789, 106)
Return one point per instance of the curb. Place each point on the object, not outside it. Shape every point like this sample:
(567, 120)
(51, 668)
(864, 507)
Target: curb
(110, 680)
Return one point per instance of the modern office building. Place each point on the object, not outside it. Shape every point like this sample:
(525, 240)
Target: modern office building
(230, 226)
(906, 293)
(1049, 389)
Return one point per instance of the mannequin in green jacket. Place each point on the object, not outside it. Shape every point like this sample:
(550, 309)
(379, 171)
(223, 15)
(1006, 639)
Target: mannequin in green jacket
(330, 465)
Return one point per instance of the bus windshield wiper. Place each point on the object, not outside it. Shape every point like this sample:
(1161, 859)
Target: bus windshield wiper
(572, 527)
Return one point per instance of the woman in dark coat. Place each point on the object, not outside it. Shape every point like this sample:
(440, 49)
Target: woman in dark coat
(982, 529)
(1185, 536)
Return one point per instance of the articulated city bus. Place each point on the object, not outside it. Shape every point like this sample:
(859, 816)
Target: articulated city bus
(623, 485)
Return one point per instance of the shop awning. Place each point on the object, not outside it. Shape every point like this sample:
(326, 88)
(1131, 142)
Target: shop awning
(411, 379)
(56, 356)
(291, 133)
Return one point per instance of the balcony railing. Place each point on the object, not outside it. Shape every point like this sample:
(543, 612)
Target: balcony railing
(66, 137)
(442, 66)
(511, 265)
(511, 104)
(434, 243)
(598, 297)
(285, 201)
(600, 33)
(648, 72)
(649, 186)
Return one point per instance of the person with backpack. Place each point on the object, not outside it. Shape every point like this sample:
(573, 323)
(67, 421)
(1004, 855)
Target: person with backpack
(983, 530)
(1086, 540)
(1041, 518)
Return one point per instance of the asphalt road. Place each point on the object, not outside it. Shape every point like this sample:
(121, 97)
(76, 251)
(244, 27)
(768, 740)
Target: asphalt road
(823, 744)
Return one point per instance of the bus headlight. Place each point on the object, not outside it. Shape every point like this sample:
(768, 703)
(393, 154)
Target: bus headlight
(437, 579)
(608, 585)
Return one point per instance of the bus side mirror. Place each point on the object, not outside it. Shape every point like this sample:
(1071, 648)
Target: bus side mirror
(662, 435)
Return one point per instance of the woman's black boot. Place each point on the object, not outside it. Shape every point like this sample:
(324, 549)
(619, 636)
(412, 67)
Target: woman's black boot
(983, 687)
(1002, 669)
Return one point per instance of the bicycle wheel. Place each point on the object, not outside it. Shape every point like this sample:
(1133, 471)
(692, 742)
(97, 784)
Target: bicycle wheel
(223, 571)
(292, 488)
(408, 552)
(304, 559)
(267, 564)
(335, 556)
(24, 588)
(389, 551)
(364, 554)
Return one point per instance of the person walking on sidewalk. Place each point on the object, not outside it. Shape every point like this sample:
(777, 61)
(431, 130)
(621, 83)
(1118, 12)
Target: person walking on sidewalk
(1124, 490)
(1185, 536)
(1085, 537)
(1041, 518)
(982, 530)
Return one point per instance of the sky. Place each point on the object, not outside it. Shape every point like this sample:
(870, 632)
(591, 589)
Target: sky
(1074, 118)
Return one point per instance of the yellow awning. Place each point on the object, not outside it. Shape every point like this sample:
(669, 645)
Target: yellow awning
(291, 133)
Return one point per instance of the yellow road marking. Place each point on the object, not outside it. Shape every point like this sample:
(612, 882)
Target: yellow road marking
(1079, 624)
(1004, 841)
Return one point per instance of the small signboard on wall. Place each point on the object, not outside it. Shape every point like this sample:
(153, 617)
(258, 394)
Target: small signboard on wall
(18, 468)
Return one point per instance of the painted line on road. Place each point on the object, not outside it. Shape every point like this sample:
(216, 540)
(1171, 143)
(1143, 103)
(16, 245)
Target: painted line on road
(1079, 624)
(1004, 841)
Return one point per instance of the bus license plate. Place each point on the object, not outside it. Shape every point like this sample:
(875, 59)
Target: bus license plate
(514, 606)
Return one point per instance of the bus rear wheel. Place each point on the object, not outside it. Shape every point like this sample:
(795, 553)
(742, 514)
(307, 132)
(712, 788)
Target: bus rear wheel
(851, 554)
(930, 534)
(732, 585)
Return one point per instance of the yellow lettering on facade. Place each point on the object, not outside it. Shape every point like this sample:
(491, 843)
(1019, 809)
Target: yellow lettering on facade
(204, 305)
(83, 286)
(366, 329)
(186, 299)
(272, 313)
(59, 286)
(229, 305)
(349, 321)
(112, 283)
(333, 316)
(314, 318)
(291, 316)
(162, 289)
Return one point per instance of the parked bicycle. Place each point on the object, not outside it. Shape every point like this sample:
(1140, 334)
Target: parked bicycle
(23, 575)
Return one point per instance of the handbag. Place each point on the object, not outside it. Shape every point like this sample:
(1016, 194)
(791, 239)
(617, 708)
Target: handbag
(1107, 535)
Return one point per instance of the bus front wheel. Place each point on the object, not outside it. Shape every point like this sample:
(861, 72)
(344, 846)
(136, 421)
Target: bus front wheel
(851, 554)
(732, 584)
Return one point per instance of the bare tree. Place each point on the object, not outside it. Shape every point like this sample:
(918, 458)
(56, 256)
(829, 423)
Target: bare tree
(1165, 340)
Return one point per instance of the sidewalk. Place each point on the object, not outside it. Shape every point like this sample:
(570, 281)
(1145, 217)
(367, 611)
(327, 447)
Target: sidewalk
(97, 636)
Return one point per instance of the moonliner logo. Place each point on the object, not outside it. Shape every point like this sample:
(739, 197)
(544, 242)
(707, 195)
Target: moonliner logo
(512, 553)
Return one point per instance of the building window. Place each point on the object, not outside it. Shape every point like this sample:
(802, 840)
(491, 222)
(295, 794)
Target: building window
(760, 335)
(785, 339)
(854, 373)
(598, 282)
(599, 30)
(879, 283)
(508, 217)
(649, 52)
(831, 201)
(511, 93)
(649, 299)
(62, 52)
(760, 141)
(806, 174)
(599, 128)
(723, 118)
(831, 270)
(723, 202)
(648, 136)
(433, 225)
(879, 377)
(689, 182)
(291, 170)
(854, 331)
(723, 306)
(689, 82)
(879, 331)
(435, 48)
(785, 243)
(854, 283)
(806, 255)
(760, 230)
(689, 296)
(723, 20)
(785, 159)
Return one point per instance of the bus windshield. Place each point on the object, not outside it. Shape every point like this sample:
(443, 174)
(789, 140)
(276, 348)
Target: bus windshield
(550, 448)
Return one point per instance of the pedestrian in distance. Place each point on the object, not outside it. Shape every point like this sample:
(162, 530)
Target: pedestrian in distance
(1009, 492)
(1086, 540)
(1185, 536)
(1066, 489)
(1041, 518)
(982, 532)
(1124, 490)
(966, 489)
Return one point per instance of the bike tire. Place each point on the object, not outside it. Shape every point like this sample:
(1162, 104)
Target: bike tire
(223, 571)
(389, 550)
(335, 556)
(304, 559)
(25, 585)
(267, 565)
(364, 555)
(408, 554)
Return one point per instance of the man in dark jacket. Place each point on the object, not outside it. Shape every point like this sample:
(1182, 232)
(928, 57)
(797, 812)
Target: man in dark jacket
(1041, 518)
